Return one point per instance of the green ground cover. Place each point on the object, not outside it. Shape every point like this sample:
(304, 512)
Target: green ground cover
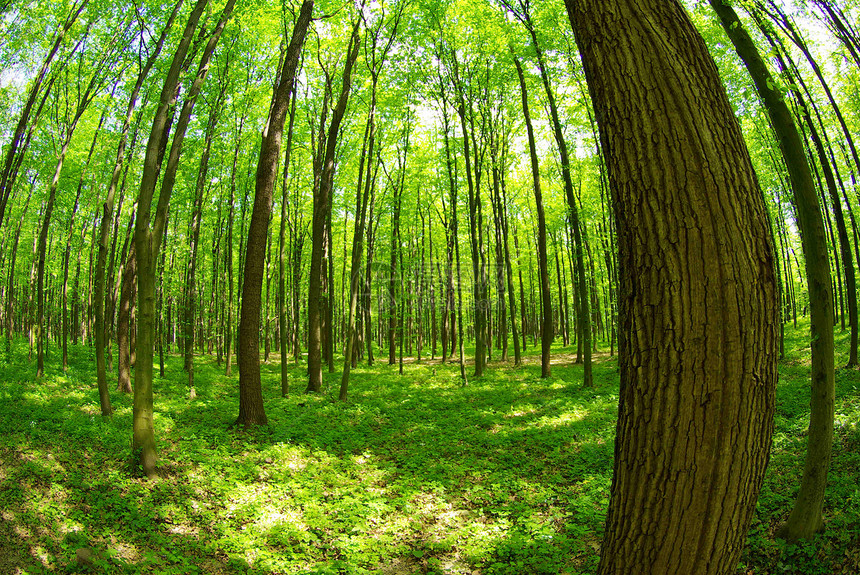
(415, 474)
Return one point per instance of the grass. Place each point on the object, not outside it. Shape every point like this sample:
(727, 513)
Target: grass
(414, 474)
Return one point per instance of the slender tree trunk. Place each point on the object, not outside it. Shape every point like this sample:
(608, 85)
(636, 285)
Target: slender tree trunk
(806, 516)
(42, 252)
(391, 306)
(475, 223)
(509, 272)
(68, 248)
(584, 316)
(361, 202)
(123, 322)
(322, 205)
(844, 242)
(149, 226)
(251, 410)
(191, 293)
(368, 273)
(546, 321)
(10, 289)
(228, 257)
(283, 258)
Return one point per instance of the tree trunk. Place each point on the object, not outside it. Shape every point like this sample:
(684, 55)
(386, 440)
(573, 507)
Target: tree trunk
(191, 293)
(584, 316)
(806, 516)
(10, 289)
(251, 411)
(543, 266)
(322, 205)
(698, 319)
(842, 231)
(101, 328)
(149, 227)
(362, 198)
(391, 307)
(68, 248)
(283, 259)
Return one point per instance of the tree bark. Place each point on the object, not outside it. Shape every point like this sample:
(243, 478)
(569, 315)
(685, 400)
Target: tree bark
(149, 227)
(697, 291)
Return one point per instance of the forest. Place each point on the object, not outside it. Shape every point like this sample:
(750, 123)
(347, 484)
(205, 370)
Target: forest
(429, 286)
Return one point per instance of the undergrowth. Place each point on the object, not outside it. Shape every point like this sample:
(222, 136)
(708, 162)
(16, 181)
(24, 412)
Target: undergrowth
(414, 474)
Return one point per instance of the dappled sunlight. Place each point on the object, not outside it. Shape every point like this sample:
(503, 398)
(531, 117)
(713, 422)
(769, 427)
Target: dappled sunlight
(415, 474)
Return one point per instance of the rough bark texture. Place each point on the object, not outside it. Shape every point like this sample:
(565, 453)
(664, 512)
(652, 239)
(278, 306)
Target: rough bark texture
(698, 298)
(251, 410)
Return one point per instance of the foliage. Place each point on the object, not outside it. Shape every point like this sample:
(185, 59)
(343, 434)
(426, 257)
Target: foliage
(414, 475)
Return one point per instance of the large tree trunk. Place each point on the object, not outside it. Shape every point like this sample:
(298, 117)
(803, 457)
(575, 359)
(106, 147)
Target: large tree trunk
(697, 291)
(99, 283)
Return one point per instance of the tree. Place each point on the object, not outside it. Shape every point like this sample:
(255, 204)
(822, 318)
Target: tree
(200, 185)
(523, 14)
(18, 145)
(697, 292)
(69, 114)
(322, 206)
(149, 226)
(251, 410)
(107, 214)
(543, 266)
(805, 518)
(375, 62)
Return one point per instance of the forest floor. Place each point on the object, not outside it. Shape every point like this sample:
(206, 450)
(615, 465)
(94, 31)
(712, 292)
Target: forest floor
(414, 474)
